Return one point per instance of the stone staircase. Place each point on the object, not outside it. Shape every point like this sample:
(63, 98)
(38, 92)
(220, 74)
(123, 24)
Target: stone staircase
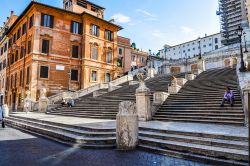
(106, 105)
(85, 137)
(199, 100)
(210, 148)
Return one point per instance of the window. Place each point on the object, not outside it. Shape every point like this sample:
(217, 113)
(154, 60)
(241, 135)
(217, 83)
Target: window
(188, 50)
(120, 51)
(216, 47)
(29, 47)
(107, 77)
(142, 60)
(133, 58)
(11, 81)
(22, 52)
(76, 27)
(14, 38)
(75, 53)
(21, 78)
(7, 83)
(5, 47)
(12, 58)
(15, 80)
(44, 72)
(4, 63)
(24, 29)
(31, 21)
(74, 75)
(28, 76)
(216, 40)
(193, 48)
(45, 46)
(210, 44)
(95, 30)
(47, 20)
(94, 76)
(109, 56)
(109, 35)
(94, 52)
(16, 57)
(10, 42)
(204, 46)
(1, 65)
(18, 33)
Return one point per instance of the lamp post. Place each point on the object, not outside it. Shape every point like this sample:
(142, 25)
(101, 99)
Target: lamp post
(242, 64)
(245, 42)
(199, 42)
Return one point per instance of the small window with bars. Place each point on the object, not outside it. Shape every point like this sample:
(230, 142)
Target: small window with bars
(44, 72)
(74, 75)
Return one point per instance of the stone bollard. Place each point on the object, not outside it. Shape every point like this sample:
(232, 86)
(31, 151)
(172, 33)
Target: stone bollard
(181, 81)
(127, 126)
(160, 97)
(189, 77)
(43, 101)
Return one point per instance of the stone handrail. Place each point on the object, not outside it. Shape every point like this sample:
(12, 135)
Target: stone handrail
(121, 80)
(134, 72)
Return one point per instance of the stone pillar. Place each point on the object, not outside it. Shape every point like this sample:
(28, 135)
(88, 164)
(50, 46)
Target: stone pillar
(160, 97)
(127, 126)
(151, 72)
(246, 104)
(27, 102)
(143, 104)
(201, 65)
(181, 81)
(43, 101)
(6, 110)
(189, 77)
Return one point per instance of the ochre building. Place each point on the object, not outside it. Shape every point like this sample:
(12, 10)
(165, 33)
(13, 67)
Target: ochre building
(59, 49)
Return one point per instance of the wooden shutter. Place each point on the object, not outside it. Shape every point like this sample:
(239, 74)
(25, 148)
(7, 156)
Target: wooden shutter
(51, 21)
(71, 26)
(80, 28)
(42, 19)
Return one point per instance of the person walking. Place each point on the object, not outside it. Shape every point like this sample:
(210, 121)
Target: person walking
(2, 116)
(228, 96)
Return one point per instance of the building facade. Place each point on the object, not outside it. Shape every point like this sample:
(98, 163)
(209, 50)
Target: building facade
(3, 53)
(129, 57)
(59, 49)
(192, 48)
(233, 14)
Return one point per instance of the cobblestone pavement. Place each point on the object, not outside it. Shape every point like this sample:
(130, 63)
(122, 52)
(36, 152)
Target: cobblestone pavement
(21, 149)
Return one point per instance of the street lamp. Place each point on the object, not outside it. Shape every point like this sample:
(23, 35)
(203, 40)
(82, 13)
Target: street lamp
(245, 42)
(199, 42)
(242, 64)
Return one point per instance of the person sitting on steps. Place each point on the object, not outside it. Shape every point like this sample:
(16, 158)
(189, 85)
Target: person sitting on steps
(228, 96)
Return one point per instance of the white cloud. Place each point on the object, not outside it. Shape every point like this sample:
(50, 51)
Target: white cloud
(121, 18)
(145, 12)
(186, 30)
(158, 34)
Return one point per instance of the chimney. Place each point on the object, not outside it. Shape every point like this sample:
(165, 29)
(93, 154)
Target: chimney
(11, 13)
(8, 18)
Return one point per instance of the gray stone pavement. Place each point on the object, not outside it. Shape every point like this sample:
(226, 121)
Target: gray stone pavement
(22, 149)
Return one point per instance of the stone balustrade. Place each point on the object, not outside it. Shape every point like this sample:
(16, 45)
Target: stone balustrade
(181, 81)
(190, 77)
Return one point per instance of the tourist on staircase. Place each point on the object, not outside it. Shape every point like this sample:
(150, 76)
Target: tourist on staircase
(228, 96)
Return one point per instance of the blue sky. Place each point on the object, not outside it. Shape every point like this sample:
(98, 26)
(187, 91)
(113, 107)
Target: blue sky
(149, 23)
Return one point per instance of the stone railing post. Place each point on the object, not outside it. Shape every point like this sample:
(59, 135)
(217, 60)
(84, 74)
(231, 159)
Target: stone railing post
(246, 104)
(174, 87)
(127, 126)
(143, 104)
(43, 101)
(151, 72)
(189, 77)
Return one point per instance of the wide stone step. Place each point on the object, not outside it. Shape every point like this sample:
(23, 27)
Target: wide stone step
(64, 137)
(84, 128)
(225, 122)
(87, 113)
(241, 145)
(211, 151)
(65, 129)
(85, 116)
(199, 107)
(169, 102)
(200, 114)
(215, 117)
(191, 156)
